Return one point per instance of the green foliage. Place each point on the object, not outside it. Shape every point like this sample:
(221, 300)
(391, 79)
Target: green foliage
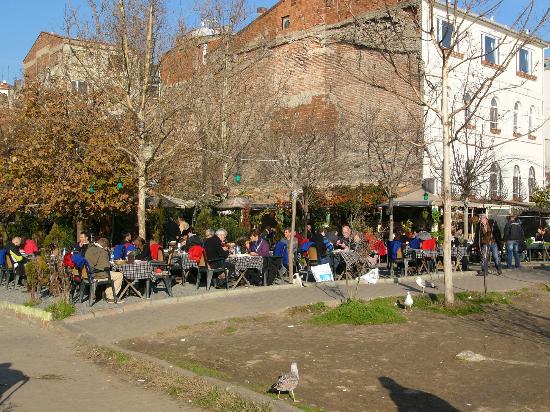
(407, 226)
(541, 197)
(32, 303)
(62, 236)
(61, 309)
(206, 219)
(357, 312)
(466, 303)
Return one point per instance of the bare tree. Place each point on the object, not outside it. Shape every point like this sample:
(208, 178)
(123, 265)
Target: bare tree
(456, 62)
(392, 149)
(118, 51)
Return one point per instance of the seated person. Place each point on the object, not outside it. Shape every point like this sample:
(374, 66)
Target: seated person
(258, 246)
(217, 253)
(16, 257)
(154, 248)
(82, 244)
(318, 240)
(541, 235)
(97, 255)
(414, 241)
(30, 247)
(344, 242)
(3, 253)
(283, 245)
(141, 252)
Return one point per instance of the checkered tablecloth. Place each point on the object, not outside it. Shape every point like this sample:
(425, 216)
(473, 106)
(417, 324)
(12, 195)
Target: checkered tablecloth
(247, 262)
(185, 262)
(135, 271)
(350, 257)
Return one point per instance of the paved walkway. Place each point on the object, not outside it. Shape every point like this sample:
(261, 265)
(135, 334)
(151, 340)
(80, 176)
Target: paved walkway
(223, 305)
(39, 372)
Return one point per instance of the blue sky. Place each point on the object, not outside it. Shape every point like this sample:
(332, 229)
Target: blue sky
(22, 20)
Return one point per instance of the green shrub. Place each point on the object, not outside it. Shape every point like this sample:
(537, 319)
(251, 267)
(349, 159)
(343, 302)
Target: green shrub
(207, 219)
(62, 236)
(357, 312)
(61, 309)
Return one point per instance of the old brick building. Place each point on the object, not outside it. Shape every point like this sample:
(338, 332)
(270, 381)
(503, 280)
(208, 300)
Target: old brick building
(323, 74)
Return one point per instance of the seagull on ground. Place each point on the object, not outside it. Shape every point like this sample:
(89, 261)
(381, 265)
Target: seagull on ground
(408, 301)
(421, 283)
(287, 382)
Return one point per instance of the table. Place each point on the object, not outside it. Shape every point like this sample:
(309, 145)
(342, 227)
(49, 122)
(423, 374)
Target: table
(185, 264)
(132, 272)
(350, 258)
(541, 247)
(244, 262)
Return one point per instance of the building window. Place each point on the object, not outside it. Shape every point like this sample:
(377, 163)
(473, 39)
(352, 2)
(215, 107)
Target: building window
(531, 119)
(286, 22)
(490, 50)
(79, 86)
(493, 115)
(446, 30)
(495, 181)
(532, 182)
(516, 184)
(517, 109)
(524, 61)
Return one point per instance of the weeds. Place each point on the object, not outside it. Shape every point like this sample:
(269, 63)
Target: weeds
(466, 303)
(32, 303)
(154, 377)
(357, 312)
(229, 330)
(311, 309)
(61, 309)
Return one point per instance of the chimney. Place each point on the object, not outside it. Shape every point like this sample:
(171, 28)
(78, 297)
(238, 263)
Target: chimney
(261, 10)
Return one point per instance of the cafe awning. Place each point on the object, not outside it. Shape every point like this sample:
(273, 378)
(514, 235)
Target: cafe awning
(166, 202)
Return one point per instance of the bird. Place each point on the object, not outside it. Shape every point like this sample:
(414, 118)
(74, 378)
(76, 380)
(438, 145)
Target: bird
(421, 283)
(408, 301)
(287, 382)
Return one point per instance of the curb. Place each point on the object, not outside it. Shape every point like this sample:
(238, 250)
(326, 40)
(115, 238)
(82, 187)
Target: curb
(35, 313)
(276, 405)
(144, 304)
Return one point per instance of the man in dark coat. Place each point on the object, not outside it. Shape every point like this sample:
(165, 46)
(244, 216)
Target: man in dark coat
(514, 237)
(217, 252)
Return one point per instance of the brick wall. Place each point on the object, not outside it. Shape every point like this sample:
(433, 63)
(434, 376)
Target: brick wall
(330, 77)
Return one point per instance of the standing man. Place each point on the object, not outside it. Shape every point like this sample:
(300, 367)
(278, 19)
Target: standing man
(513, 235)
(489, 240)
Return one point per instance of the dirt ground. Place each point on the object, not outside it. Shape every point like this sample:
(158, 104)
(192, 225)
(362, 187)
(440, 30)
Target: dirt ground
(405, 367)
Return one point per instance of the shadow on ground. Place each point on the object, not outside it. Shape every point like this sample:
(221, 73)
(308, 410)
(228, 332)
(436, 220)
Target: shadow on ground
(11, 380)
(407, 399)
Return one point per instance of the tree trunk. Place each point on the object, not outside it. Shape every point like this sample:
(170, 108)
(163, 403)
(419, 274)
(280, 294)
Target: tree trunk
(79, 226)
(447, 264)
(466, 219)
(291, 245)
(142, 193)
(305, 209)
(390, 224)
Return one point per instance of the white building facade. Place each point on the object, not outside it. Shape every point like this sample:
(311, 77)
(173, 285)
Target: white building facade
(500, 136)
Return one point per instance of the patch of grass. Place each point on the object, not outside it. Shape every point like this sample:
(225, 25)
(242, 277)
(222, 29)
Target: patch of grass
(229, 330)
(32, 303)
(357, 312)
(545, 287)
(466, 303)
(61, 310)
(183, 388)
(190, 365)
(312, 308)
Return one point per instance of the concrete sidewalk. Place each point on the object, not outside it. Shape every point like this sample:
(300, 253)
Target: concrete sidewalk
(39, 371)
(225, 305)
